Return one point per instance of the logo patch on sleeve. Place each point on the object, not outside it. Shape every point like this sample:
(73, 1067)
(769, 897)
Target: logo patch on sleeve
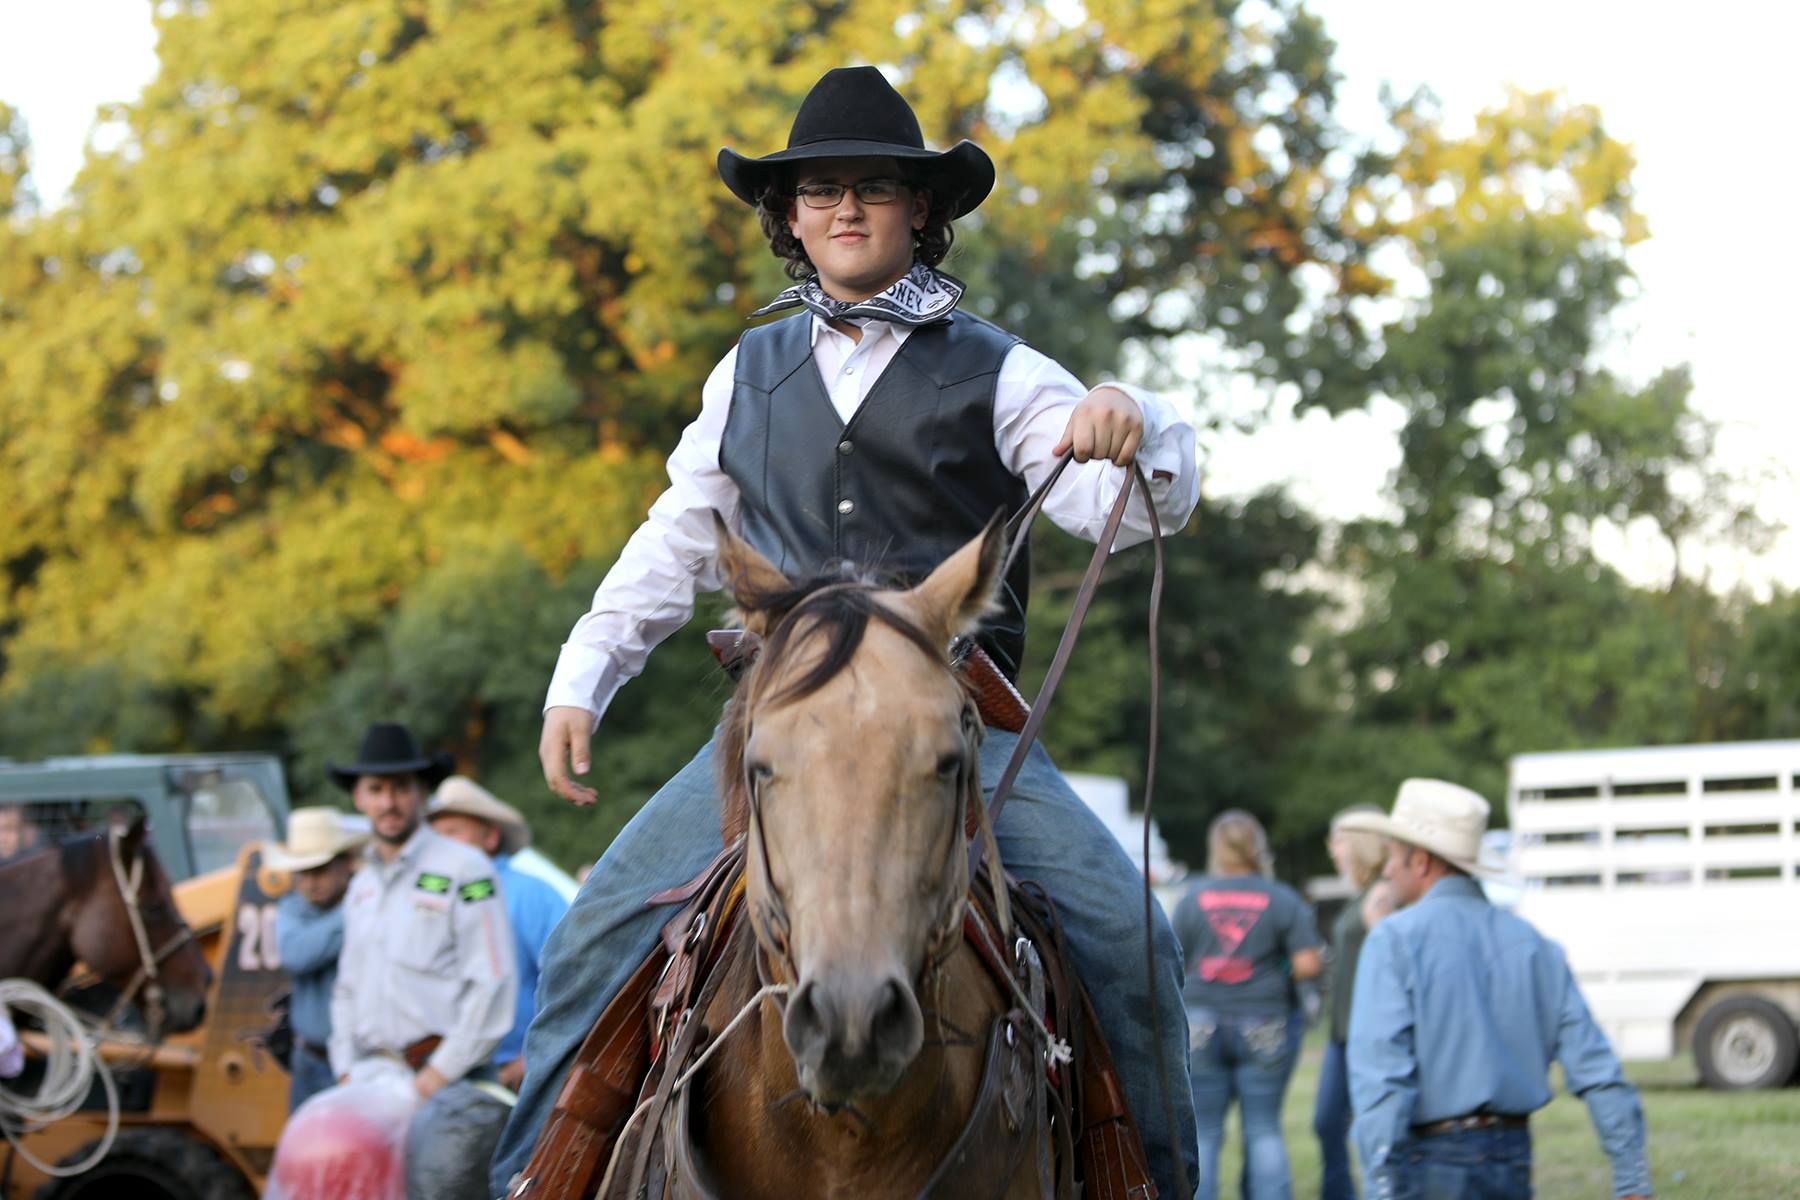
(437, 885)
(476, 889)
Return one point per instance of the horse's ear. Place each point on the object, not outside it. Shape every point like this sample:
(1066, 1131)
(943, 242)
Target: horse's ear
(964, 588)
(753, 581)
(131, 837)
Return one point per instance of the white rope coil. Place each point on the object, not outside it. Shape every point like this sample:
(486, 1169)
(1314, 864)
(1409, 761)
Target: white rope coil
(69, 1071)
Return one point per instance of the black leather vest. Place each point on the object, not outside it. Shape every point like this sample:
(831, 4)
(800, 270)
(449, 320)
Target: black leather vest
(912, 477)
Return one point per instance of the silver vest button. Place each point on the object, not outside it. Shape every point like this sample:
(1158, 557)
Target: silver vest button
(846, 507)
(844, 447)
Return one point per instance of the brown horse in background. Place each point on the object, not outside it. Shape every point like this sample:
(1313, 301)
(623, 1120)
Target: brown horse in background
(102, 899)
(850, 751)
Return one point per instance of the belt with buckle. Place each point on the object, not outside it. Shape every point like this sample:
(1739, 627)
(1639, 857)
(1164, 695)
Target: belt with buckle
(1478, 1120)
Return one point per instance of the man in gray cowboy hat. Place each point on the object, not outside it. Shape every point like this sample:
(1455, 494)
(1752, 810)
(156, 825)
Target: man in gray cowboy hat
(319, 857)
(1459, 1009)
(464, 810)
(901, 424)
(426, 974)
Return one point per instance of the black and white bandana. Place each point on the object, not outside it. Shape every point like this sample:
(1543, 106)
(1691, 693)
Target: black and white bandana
(920, 297)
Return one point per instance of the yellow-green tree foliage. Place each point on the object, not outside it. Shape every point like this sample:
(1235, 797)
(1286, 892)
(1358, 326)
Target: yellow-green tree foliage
(374, 291)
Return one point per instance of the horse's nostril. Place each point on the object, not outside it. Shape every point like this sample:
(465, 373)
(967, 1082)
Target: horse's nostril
(807, 1024)
(897, 1027)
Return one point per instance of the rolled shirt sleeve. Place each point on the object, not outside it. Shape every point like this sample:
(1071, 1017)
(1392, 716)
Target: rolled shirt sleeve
(484, 967)
(1383, 1061)
(1033, 400)
(1592, 1071)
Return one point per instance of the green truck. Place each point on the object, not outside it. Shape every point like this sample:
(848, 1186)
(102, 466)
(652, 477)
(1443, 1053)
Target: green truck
(202, 808)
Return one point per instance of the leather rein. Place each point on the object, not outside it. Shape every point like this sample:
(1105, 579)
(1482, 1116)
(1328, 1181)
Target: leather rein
(1020, 526)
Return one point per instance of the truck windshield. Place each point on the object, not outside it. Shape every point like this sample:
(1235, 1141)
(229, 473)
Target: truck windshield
(222, 808)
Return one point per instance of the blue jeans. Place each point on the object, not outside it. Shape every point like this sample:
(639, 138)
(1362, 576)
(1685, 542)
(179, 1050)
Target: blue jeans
(308, 1075)
(1472, 1164)
(1046, 833)
(1331, 1122)
(1249, 1059)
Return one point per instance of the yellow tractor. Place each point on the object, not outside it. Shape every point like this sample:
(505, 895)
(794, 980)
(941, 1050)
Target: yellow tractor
(201, 1111)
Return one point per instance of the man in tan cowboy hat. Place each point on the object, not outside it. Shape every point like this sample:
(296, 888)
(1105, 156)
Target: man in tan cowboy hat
(309, 933)
(1459, 1009)
(464, 810)
(876, 423)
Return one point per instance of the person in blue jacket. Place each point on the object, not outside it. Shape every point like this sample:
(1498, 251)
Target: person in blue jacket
(464, 810)
(319, 857)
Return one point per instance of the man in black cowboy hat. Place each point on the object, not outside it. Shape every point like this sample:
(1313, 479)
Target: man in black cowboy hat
(426, 972)
(879, 425)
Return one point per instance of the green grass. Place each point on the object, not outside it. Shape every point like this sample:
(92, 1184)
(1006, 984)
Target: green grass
(1703, 1145)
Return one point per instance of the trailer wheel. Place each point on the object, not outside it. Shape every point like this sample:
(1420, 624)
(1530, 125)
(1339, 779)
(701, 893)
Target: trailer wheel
(152, 1164)
(1745, 1042)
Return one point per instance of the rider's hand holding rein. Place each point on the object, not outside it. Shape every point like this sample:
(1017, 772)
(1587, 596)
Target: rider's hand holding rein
(1107, 425)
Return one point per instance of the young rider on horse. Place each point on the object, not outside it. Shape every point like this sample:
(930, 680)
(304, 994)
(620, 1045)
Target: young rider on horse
(881, 427)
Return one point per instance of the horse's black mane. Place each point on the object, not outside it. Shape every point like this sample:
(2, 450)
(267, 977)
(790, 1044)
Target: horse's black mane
(836, 607)
(80, 857)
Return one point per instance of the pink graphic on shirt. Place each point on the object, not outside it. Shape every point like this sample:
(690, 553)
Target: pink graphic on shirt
(1232, 915)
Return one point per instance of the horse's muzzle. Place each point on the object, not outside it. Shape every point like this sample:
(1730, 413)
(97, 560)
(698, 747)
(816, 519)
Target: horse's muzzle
(184, 1009)
(852, 1037)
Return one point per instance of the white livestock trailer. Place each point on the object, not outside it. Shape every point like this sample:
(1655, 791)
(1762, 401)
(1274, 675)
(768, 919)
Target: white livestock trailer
(1669, 876)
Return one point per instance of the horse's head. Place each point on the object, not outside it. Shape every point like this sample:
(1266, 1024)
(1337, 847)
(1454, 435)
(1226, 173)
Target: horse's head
(856, 753)
(117, 873)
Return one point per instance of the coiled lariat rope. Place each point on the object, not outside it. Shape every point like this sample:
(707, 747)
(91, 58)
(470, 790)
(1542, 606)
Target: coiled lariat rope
(70, 1066)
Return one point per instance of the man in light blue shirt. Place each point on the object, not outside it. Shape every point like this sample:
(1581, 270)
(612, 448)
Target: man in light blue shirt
(1458, 1011)
(464, 810)
(309, 934)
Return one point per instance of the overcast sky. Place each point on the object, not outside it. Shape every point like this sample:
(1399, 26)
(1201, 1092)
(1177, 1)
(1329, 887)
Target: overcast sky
(1700, 95)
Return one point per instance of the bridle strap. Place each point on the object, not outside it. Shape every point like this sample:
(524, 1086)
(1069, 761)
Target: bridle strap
(130, 884)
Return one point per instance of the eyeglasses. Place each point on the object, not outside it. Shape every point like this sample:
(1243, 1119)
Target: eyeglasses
(868, 191)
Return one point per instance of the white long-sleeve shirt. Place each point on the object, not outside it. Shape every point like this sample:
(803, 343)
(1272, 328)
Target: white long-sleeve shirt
(427, 950)
(649, 592)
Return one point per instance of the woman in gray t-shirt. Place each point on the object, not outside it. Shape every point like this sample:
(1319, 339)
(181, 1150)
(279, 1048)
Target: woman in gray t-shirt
(1247, 940)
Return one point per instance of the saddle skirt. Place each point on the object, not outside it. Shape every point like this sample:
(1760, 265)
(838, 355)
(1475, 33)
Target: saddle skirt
(646, 1037)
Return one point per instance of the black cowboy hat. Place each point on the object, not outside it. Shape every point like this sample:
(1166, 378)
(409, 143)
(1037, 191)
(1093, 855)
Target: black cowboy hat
(389, 749)
(854, 112)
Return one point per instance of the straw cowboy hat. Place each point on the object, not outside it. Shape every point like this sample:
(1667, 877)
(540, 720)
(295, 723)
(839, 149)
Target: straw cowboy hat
(854, 112)
(389, 749)
(462, 795)
(315, 837)
(1444, 818)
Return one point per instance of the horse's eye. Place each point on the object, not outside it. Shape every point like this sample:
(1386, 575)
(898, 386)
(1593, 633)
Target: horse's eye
(949, 766)
(760, 773)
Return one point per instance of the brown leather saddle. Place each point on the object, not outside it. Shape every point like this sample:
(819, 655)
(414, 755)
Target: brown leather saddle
(639, 1045)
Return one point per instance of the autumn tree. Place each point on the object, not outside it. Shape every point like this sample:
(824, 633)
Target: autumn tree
(1480, 623)
(331, 390)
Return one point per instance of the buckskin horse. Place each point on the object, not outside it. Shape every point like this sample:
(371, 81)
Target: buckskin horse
(868, 1031)
(102, 899)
